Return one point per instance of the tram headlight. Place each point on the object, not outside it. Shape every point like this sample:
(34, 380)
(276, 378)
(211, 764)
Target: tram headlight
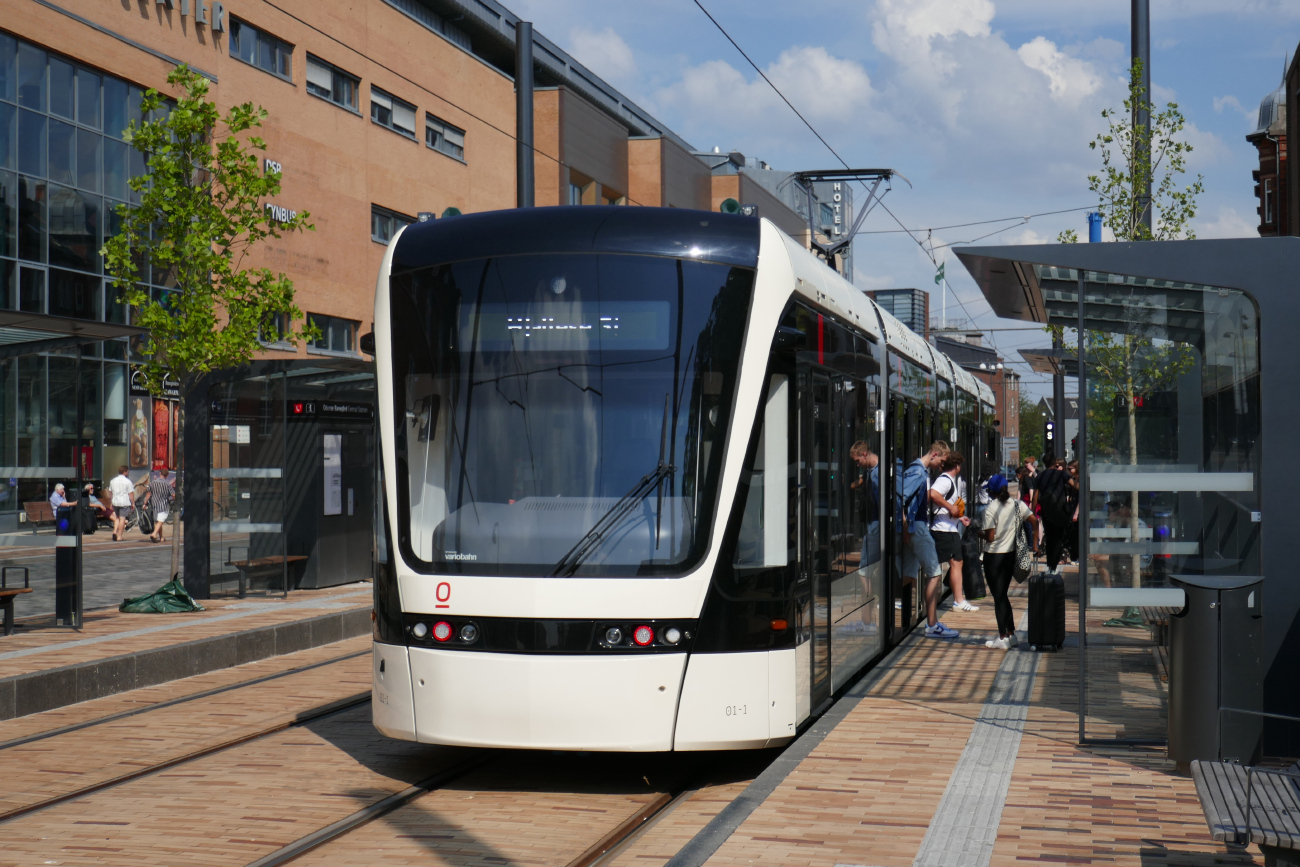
(442, 631)
(643, 636)
(672, 635)
(613, 635)
(469, 633)
(420, 630)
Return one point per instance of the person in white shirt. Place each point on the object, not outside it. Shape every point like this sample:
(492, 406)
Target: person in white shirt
(123, 492)
(948, 524)
(1003, 520)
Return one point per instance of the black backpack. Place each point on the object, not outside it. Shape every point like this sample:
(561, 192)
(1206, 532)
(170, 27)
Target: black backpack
(1053, 496)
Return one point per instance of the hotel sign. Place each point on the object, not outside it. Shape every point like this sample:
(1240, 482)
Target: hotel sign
(214, 16)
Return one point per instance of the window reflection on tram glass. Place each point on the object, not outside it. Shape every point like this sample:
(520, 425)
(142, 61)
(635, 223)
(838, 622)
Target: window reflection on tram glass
(1189, 421)
(563, 414)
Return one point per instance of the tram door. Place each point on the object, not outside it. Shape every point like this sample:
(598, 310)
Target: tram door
(904, 422)
(821, 519)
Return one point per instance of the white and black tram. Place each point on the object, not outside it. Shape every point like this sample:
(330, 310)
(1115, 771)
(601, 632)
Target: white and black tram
(618, 510)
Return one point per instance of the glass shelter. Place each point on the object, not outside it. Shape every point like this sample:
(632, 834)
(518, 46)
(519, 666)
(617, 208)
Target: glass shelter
(1178, 407)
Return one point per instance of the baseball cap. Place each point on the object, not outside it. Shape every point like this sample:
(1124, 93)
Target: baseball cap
(996, 483)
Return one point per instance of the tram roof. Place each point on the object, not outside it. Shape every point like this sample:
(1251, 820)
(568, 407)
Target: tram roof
(822, 285)
(675, 232)
(904, 340)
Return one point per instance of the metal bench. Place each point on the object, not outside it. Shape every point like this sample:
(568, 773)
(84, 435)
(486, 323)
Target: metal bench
(1244, 805)
(9, 594)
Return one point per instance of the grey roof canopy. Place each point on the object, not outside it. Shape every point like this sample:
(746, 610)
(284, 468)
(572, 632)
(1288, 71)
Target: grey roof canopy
(30, 333)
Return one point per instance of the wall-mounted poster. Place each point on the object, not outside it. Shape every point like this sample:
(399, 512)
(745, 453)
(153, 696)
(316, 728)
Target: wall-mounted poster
(333, 501)
(162, 429)
(138, 435)
(176, 426)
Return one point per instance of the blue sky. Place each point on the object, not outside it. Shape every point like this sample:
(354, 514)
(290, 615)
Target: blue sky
(986, 105)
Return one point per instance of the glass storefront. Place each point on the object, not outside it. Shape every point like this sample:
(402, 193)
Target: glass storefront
(64, 168)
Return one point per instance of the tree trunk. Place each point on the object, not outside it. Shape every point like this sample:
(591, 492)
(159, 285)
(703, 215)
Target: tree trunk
(177, 498)
(1133, 520)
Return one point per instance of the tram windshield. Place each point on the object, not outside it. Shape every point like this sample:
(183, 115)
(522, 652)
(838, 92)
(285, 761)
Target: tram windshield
(563, 414)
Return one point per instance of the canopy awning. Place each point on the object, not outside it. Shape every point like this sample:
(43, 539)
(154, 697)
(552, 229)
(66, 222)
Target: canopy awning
(30, 333)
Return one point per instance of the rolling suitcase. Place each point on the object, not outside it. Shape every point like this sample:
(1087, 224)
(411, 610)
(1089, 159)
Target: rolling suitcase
(1046, 611)
(972, 568)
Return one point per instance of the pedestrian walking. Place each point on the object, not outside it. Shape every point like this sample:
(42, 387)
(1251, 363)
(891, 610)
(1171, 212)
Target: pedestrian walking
(123, 493)
(950, 521)
(1003, 520)
(1051, 496)
(159, 499)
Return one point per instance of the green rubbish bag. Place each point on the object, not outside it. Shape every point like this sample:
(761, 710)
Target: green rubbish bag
(170, 598)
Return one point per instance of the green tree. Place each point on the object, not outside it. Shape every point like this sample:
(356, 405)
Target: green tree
(1031, 428)
(1125, 366)
(201, 213)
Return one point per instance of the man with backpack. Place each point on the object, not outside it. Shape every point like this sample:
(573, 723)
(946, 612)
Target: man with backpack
(1052, 499)
(918, 550)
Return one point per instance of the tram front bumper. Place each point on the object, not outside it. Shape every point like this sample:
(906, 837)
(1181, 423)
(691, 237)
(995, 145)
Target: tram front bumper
(542, 701)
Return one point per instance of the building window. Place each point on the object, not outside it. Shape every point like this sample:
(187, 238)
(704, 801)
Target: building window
(387, 110)
(274, 330)
(336, 335)
(575, 194)
(260, 49)
(384, 224)
(442, 136)
(330, 82)
(1268, 201)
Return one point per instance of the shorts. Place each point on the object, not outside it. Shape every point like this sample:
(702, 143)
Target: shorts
(919, 553)
(870, 545)
(947, 545)
(160, 518)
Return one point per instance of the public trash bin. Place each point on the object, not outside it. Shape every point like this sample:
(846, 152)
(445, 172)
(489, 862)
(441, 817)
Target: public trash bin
(1216, 668)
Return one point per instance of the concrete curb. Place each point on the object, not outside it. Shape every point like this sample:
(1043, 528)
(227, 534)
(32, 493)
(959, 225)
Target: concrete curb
(39, 691)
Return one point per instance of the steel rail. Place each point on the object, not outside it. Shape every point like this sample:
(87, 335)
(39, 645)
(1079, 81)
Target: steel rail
(73, 727)
(299, 719)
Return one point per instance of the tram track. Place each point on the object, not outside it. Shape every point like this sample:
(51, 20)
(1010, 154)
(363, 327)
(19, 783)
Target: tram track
(328, 709)
(208, 693)
(602, 852)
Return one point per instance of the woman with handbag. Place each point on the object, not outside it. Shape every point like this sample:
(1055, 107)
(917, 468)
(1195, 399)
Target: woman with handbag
(1005, 547)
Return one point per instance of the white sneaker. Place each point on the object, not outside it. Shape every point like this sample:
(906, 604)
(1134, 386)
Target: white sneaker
(964, 606)
(998, 644)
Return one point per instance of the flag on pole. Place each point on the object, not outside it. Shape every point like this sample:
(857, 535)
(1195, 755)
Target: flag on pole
(938, 275)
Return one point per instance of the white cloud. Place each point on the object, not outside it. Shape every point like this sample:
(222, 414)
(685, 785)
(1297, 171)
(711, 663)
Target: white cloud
(1249, 114)
(1226, 224)
(833, 93)
(604, 53)
(1070, 78)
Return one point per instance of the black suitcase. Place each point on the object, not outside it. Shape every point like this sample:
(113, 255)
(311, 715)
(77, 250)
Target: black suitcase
(972, 568)
(1046, 611)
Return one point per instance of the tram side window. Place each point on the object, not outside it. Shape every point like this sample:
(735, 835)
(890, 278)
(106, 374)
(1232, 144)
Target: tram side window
(764, 525)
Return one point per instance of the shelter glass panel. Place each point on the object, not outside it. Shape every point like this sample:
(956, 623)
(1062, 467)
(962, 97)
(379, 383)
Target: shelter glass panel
(1174, 469)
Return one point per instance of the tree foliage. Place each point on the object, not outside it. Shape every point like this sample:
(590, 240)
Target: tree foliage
(201, 212)
(1134, 156)
(1031, 428)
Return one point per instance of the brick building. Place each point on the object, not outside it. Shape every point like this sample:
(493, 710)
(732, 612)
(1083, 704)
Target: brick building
(1269, 139)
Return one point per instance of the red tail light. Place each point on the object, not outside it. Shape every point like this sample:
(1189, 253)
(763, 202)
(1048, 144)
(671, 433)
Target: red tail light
(442, 630)
(643, 635)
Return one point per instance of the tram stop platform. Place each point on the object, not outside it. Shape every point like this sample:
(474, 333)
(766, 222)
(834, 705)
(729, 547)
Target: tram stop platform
(43, 666)
(951, 754)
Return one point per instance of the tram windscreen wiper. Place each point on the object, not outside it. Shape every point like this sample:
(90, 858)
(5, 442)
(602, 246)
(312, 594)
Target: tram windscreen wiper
(651, 481)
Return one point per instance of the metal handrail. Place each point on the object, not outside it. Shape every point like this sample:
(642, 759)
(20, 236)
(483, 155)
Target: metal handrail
(1251, 770)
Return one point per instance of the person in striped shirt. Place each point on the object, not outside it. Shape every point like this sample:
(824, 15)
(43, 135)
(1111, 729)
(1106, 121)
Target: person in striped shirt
(159, 499)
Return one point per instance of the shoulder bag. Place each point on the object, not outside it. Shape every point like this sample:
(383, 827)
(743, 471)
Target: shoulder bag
(1024, 552)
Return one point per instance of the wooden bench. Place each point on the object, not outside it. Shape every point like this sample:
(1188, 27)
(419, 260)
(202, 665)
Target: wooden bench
(39, 512)
(9, 594)
(1244, 805)
(262, 566)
